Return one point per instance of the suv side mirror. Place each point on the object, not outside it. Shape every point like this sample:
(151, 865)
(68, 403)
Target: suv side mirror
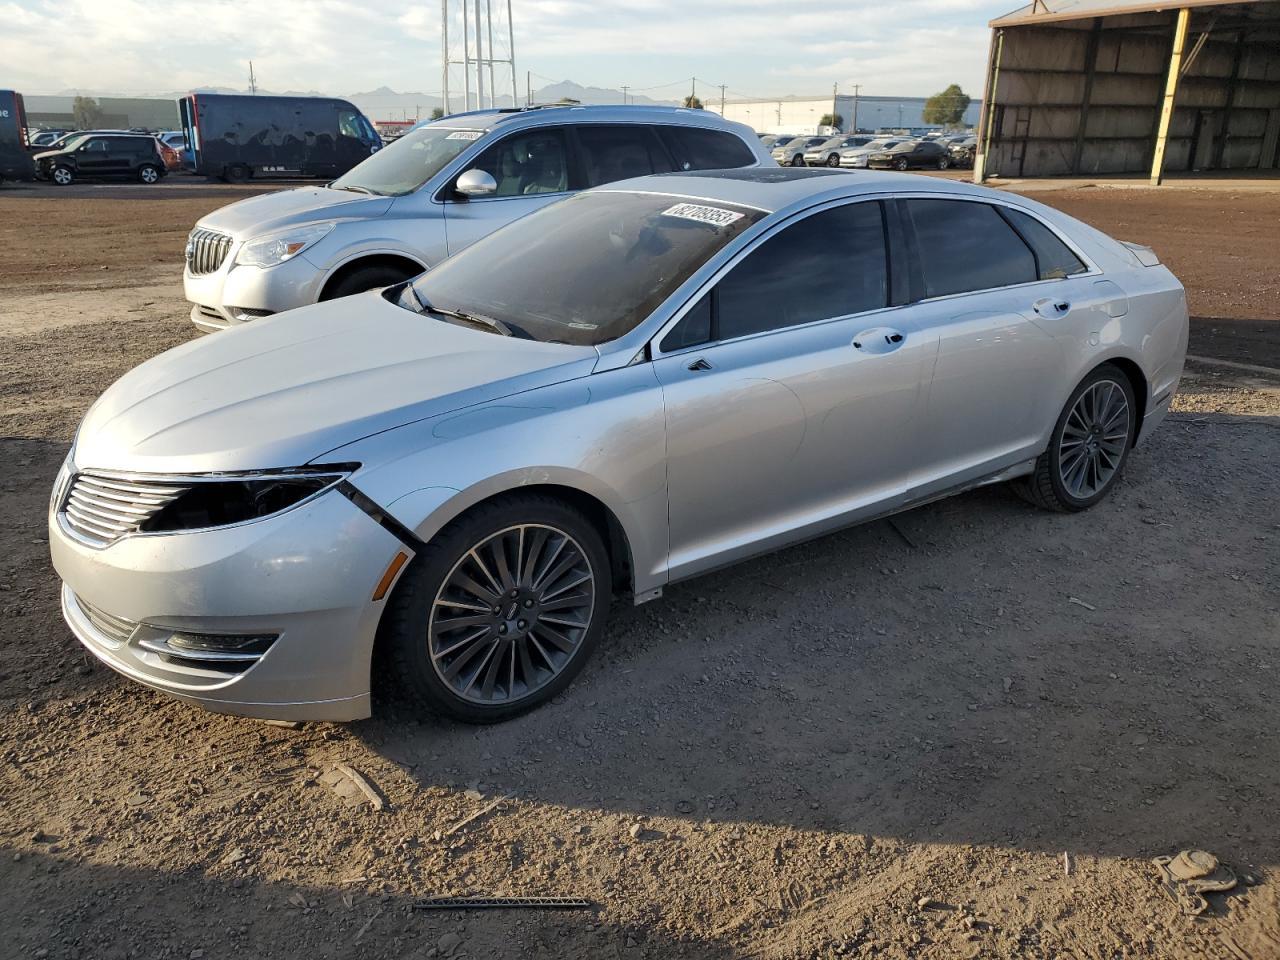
(476, 183)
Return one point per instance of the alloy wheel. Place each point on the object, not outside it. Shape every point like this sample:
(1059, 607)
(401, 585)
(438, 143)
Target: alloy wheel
(61, 176)
(1094, 438)
(511, 614)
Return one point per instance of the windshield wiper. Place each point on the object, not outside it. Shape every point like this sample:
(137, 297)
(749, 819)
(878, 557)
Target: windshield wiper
(477, 319)
(356, 189)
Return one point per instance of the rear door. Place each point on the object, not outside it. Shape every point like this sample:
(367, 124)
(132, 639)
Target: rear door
(792, 391)
(531, 167)
(993, 386)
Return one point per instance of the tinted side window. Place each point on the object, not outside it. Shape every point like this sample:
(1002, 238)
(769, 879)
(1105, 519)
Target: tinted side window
(694, 327)
(828, 265)
(610, 153)
(696, 149)
(527, 163)
(1054, 258)
(967, 246)
(95, 146)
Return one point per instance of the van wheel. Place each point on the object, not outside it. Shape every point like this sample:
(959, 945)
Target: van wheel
(500, 610)
(373, 277)
(62, 176)
(148, 174)
(236, 173)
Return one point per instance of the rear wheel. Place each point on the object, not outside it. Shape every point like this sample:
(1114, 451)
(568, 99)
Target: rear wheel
(373, 277)
(501, 610)
(943, 163)
(62, 176)
(236, 173)
(148, 173)
(1089, 445)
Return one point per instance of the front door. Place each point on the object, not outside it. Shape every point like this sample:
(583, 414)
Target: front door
(531, 170)
(791, 392)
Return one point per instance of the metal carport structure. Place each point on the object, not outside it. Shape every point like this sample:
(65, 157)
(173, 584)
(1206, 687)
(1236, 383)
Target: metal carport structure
(1095, 87)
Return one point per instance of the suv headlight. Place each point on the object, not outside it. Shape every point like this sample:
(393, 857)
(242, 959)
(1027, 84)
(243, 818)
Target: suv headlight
(274, 248)
(222, 500)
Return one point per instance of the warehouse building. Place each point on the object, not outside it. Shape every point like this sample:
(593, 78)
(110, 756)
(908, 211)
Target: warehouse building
(803, 115)
(1090, 87)
(118, 113)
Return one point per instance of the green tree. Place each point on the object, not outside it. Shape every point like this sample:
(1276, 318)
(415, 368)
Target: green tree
(86, 113)
(832, 120)
(437, 113)
(947, 108)
(692, 103)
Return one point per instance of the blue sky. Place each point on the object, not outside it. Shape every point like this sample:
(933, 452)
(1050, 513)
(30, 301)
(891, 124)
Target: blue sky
(756, 48)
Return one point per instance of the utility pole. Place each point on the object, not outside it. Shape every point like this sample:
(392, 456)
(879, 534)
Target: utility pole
(835, 106)
(253, 82)
(528, 88)
(853, 123)
(466, 60)
(722, 99)
(493, 87)
(479, 61)
(511, 51)
(444, 53)
(625, 88)
(693, 90)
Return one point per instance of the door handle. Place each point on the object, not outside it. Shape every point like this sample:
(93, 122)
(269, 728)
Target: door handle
(1050, 307)
(878, 340)
(700, 364)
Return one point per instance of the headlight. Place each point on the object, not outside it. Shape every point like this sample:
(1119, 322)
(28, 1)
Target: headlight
(63, 480)
(276, 248)
(221, 500)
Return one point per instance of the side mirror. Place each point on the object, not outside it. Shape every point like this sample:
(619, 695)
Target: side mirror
(476, 183)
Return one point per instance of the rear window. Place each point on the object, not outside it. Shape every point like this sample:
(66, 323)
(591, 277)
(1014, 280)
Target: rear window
(1054, 258)
(967, 246)
(697, 149)
(611, 153)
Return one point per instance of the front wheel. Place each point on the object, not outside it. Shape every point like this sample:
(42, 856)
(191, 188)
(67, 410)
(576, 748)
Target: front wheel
(900, 163)
(62, 176)
(148, 174)
(943, 163)
(1089, 444)
(501, 610)
(833, 160)
(798, 160)
(373, 277)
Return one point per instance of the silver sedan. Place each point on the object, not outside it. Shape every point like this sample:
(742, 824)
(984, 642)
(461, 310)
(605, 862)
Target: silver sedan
(625, 389)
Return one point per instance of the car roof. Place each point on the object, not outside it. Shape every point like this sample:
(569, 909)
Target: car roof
(566, 113)
(773, 189)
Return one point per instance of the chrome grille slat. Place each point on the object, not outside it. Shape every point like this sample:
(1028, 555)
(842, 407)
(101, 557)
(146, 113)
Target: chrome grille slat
(116, 629)
(206, 251)
(102, 509)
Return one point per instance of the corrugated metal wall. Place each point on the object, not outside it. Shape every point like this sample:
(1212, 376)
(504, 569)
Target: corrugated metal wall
(1083, 97)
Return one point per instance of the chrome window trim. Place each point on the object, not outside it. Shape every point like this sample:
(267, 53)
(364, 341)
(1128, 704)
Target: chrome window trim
(655, 341)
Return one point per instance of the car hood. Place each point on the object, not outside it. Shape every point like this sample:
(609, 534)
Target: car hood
(50, 154)
(269, 212)
(283, 390)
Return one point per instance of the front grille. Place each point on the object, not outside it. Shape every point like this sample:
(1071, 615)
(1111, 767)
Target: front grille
(206, 249)
(116, 629)
(101, 508)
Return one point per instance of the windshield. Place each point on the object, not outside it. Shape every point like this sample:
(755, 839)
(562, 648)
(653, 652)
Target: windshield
(72, 141)
(782, 141)
(407, 163)
(585, 270)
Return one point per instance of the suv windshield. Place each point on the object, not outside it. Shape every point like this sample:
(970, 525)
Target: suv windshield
(585, 270)
(405, 165)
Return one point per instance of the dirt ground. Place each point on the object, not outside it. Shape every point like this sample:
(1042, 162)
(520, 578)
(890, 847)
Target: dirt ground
(963, 734)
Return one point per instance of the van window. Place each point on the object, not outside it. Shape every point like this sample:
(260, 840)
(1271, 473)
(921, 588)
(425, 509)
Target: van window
(697, 149)
(610, 153)
(830, 264)
(532, 162)
(967, 246)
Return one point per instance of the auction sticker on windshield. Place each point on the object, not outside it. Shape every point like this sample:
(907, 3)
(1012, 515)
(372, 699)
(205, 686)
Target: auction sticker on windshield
(465, 135)
(716, 216)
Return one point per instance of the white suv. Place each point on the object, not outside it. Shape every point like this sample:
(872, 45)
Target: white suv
(439, 188)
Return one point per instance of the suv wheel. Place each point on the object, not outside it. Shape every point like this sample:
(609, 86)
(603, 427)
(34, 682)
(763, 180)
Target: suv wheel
(500, 611)
(373, 277)
(62, 176)
(798, 160)
(148, 173)
(833, 160)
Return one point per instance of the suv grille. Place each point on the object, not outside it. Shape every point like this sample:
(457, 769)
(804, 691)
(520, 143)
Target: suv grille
(206, 250)
(116, 629)
(102, 508)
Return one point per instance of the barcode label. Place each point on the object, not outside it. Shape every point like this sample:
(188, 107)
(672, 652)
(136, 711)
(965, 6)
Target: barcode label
(716, 216)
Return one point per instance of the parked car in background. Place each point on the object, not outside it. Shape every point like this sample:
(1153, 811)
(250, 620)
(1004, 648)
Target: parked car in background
(961, 152)
(433, 192)
(767, 139)
(234, 138)
(828, 154)
(15, 158)
(857, 156)
(911, 155)
(61, 141)
(791, 154)
(177, 140)
(45, 138)
(618, 392)
(103, 156)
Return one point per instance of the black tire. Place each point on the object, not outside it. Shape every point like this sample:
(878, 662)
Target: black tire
(833, 160)
(62, 175)
(373, 277)
(235, 173)
(901, 164)
(798, 160)
(149, 173)
(1046, 487)
(407, 628)
(943, 163)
